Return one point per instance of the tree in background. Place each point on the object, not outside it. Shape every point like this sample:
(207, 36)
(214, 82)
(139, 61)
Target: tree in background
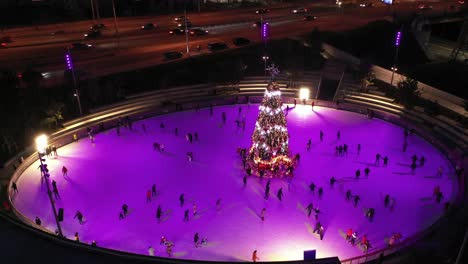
(407, 92)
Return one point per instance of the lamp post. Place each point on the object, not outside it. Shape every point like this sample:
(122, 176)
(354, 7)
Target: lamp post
(395, 60)
(116, 25)
(70, 67)
(186, 32)
(41, 146)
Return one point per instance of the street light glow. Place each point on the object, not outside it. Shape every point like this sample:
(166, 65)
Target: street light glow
(304, 93)
(264, 30)
(69, 61)
(41, 143)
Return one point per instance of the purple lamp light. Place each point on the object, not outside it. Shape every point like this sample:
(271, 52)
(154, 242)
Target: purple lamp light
(69, 61)
(397, 40)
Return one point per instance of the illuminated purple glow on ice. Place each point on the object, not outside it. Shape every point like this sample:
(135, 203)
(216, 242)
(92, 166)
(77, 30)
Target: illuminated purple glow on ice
(117, 170)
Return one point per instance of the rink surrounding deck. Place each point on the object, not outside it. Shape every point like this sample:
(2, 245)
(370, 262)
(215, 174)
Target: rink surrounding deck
(117, 170)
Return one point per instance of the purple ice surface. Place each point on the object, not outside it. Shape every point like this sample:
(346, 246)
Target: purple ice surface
(121, 169)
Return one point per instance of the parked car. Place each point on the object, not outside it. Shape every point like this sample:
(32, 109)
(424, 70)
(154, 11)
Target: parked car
(240, 41)
(173, 55)
(309, 18)
(97, 26)
(80, 46)
(176, 31)
(93, 34)
(300, 10)
(217, 46)
(198, 32)
(424, 7)
(148, 26)
(262, 11)
(366, 5)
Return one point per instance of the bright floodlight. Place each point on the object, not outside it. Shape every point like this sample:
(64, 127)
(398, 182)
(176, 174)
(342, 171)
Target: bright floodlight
(304, 93)
(41, 143)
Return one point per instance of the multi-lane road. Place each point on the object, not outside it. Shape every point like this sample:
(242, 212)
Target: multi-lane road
(43, 48)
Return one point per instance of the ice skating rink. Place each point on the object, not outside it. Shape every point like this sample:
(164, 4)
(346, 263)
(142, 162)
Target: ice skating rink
(121, 169)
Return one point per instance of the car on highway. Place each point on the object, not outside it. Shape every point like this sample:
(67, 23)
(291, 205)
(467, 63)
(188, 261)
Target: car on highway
(461, 2)
(424, 7)
(198, 32)
(299, 10)
(97, 26)
(182, 24)
(309, 18)
(173, 55)
(366, 5)
(148, 26)
(93, 34)
(6, 39)
(176, 31)
(240, 41)
(262, 11)
(80, 46)
(258, 24)
(180, 18)
(217, 46)
(3, 45)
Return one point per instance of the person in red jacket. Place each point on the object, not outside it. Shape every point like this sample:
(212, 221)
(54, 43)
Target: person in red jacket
(254, 256)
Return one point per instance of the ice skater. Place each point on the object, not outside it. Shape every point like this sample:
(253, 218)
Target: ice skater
(14, 187)
(312, 187)
(194, 209)
(312, 104)
(356, 200)
(244, 180)
(55, 190)
(148, 196)
(348, 195)
(358, 173)
(181, 199)
(309, 209)
(366, 171)
(309, 143)
(223, 117)
(262, 214)
(385, 161)
(280, 194)
(386, 200)
(267, 191)
(153, 190)
(358, 149)
(190, 156)
(320, 192)
(64, 171)
(196, 239)
(321, 136)
(151, 251)
(377, 159)
(218, 205)
(254, 254)
(422, 161)
(332, 181)
(338, 135)
(159, 213)
(345, 149)
(125, 210)
(370, 214)
(79, 216)
(186, 215)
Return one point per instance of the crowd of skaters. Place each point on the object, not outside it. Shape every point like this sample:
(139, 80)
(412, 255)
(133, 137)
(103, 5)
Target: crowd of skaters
(319, 228)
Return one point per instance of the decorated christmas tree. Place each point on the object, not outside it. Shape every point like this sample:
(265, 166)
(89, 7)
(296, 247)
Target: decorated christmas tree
(269, 154)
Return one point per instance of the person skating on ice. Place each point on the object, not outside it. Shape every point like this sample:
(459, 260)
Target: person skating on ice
(182, 199)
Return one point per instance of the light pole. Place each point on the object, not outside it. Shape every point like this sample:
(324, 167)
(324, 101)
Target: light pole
(116, 25)
(265, 58)
(186, 32)
(92, 11)
(395, 60)
(70, 67)
(41, 146)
